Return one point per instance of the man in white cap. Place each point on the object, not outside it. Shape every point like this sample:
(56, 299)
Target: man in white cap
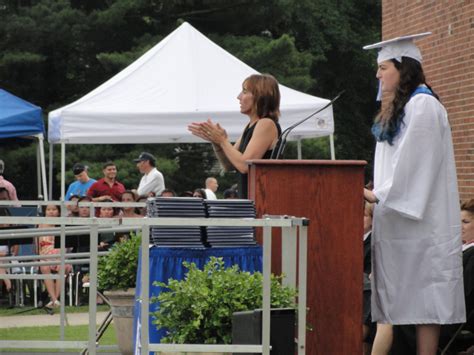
(416, 245)
(152, 183)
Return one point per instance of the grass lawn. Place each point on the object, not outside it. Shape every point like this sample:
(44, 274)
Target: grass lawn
(77, 333)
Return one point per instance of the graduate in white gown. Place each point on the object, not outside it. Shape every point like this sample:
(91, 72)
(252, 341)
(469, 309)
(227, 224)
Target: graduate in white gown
(416, 244)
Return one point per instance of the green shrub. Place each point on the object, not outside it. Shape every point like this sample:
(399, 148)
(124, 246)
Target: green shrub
(199, 308)
(118, 269)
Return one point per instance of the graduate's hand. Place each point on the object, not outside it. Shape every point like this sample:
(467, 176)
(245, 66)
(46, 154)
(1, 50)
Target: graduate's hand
(369, 196)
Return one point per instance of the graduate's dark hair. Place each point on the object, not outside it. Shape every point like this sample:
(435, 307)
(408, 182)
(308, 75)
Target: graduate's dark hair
(390, 119)
(468, 206)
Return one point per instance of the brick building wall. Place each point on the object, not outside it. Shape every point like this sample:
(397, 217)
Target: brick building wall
(448, 62)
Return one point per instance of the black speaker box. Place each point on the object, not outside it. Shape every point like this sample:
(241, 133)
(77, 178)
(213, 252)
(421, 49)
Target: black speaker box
(247, 329)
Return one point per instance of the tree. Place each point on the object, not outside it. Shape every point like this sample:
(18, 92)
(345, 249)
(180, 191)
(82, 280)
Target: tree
(54, 51)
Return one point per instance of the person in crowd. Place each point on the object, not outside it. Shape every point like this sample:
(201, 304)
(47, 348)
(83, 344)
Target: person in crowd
(141, 210)
(199, 193)
(211, 188)
(106, 239)
(45, 246)
(84, 211)
(82, 184)
(7, 184)
(129, 212)
(168, 193)
(152, 182)
(416, 244)
(4, 196)
(73, 210)
(107, 188)
(260, 101)
(230, 194)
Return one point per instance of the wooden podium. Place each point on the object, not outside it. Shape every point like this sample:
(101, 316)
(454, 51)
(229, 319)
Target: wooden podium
(330, 194)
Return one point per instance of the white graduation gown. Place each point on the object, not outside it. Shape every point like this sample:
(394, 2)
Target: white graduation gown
(416, 243)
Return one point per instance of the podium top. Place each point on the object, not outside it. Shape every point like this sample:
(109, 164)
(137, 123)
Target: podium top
(306, 162)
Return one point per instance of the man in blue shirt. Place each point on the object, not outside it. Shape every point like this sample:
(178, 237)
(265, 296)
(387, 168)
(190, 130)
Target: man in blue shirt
(79, 187)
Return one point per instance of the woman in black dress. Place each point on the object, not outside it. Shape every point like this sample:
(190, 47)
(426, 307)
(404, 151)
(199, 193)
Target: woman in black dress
(260, 101)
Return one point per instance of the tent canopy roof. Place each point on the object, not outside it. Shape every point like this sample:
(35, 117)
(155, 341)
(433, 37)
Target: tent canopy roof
(184, 78)
(18, 118)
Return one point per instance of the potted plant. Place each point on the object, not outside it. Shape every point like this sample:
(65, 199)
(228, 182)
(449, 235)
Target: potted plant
(117, 277)
(199, 308)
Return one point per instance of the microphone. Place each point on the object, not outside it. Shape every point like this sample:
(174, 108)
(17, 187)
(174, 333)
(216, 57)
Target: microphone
(277, 152)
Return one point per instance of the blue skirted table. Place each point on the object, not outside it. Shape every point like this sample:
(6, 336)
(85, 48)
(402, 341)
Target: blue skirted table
(166, 263)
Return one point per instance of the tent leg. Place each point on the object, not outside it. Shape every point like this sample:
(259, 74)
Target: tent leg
(43, 168)
(331, 145)
(63, 170)
(38, 171)
(51, 146)
(298, 146)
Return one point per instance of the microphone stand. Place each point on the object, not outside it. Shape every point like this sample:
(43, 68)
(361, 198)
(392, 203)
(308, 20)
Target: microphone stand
(280, 146)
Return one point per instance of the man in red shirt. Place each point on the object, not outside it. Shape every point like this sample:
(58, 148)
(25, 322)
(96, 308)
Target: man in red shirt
(108, 187)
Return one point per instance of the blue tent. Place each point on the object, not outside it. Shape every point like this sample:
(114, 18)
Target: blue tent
(19, 118)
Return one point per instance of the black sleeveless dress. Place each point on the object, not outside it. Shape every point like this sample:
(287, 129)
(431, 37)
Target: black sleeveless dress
(246, 136)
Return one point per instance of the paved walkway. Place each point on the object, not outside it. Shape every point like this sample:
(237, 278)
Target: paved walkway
(41, 320)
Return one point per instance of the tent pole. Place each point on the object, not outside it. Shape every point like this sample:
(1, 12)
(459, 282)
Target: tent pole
(51, 146)
(298, 145)
(63, 170)
(331, 145)
(38, 170)
(43, 167)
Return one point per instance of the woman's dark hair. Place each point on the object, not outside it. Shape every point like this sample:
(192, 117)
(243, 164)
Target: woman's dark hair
(201, 192)
(266, 94)
(390, 119)
(128, 192)
(44, 207)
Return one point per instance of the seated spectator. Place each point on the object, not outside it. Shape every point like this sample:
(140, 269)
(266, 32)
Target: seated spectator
(3, 253)
(4, 196)
(82, 184)
(168, 193)
(84, 211)
(107, 239)
(73, 210)
(230, 194)
(129, 212)
(141, 210)
(199, 193)
(45, 246)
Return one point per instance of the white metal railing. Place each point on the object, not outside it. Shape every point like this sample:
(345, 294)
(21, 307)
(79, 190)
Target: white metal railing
(292, 228)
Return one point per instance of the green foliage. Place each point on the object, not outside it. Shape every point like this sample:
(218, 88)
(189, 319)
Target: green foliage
(118, 269)
(52, 52)
(199, 308)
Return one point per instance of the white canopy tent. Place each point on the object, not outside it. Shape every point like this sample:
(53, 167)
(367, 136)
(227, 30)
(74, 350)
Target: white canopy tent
(184, 78)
